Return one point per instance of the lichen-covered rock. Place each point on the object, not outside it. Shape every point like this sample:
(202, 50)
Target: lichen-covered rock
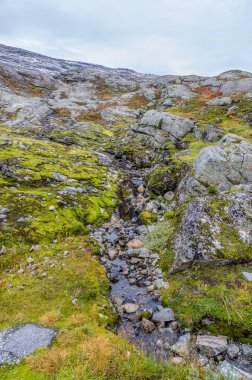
(214, 229)
(176, 126)
(208, 132)
(227, 164)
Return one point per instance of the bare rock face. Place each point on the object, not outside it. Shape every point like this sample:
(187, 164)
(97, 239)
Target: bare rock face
(214, 229)
(227, 164)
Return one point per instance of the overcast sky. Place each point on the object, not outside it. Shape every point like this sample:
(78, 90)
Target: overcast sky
(156, 36)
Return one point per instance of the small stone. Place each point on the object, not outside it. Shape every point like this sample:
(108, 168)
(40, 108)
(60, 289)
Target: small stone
(30, 260)
(74, 301)
(51, 208)
(174, 325)
(34, 272)
(35, 247)
(66, 253)
(181, 347)
(10, 286)
(169, 195)
(247, 350)
(44, 274)
(233, 351)
(130, 308)
(112, 253)
(147, 325)
(132, 281)
(21, 287)
(3, 250)
(135, 243)
(140, 189)
(176, 360)
(150, 288)
(247, 276)
(20, 271)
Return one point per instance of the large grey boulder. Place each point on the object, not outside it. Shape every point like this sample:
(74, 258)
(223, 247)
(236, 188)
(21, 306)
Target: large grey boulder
(227, 164)
(176, 126)
(214, 230)
(226, 101)
(236, 373)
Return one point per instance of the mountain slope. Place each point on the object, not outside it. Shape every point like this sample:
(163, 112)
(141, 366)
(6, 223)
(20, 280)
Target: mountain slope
(123, 196)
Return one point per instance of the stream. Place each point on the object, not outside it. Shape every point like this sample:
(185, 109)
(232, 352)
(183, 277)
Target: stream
(135, 279)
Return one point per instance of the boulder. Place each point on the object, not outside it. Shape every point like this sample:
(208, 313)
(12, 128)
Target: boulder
(215, 230)
(226, 101)
(227, 164)
(211, 346)
(176, 126)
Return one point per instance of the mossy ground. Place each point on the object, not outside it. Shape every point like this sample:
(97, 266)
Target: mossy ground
(64, 287)
(219, 294)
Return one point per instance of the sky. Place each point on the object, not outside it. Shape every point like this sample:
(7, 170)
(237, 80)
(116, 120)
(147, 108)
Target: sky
(204, 37)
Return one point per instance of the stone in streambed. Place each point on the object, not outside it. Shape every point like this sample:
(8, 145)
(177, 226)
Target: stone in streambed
(164, 315)
(147, 325)
(130, 308)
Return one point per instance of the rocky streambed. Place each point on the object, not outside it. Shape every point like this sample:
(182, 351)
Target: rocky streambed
(136, 280)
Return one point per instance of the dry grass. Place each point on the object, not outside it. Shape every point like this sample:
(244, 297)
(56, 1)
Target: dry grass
(49, 319)
(50, 361)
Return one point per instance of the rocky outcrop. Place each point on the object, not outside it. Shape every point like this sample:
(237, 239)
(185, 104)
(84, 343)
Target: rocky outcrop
(227, 164)
(175, 126)
(214, 229)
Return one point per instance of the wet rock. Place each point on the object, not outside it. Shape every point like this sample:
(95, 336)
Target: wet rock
(211, 346)
(181, 347)
(164, 315)
(130, 308)
(147, 325)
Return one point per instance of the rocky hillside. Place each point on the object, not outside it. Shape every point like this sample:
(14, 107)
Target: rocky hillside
(126, 217)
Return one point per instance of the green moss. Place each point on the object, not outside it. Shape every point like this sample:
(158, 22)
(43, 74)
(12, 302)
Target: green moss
(211, 189)
(147, 218)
